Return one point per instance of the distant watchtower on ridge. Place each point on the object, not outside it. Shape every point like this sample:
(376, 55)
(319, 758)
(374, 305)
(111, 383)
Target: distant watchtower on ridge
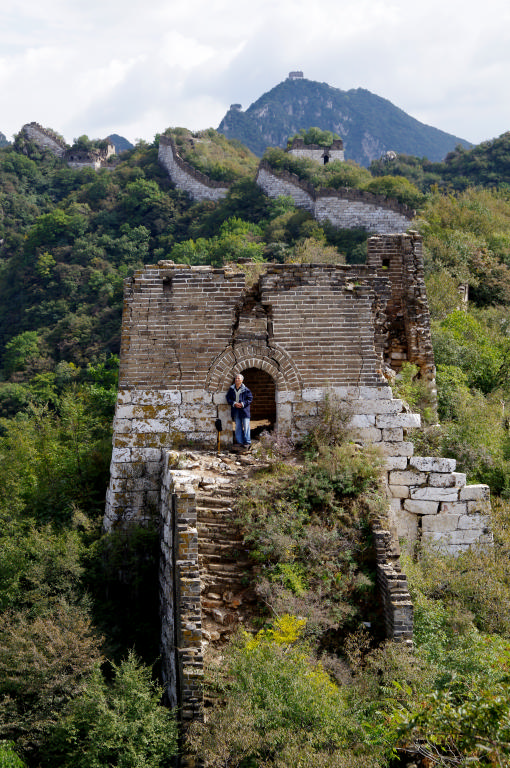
(316, 152)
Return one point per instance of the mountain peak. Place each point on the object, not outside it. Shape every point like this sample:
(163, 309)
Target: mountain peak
(369, 125)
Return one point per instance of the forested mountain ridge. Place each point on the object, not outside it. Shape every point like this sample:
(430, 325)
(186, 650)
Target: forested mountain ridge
(368, 124)
(487, 165)
(325, 693)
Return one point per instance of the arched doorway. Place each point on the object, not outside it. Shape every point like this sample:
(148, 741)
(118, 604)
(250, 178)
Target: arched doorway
(263, 407)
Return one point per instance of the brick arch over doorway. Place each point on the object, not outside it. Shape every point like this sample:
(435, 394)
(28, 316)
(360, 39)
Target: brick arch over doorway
(237, 359)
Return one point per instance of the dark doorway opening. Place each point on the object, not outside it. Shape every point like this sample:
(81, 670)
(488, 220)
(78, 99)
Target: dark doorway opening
(326, 159)
(263, 407)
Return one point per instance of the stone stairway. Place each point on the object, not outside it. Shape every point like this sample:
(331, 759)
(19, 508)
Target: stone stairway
(225, 568)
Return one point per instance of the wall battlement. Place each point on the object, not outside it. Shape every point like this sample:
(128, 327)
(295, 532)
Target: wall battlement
(185, 177)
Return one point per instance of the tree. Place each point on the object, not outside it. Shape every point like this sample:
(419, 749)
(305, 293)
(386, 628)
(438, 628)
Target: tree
(121, 724)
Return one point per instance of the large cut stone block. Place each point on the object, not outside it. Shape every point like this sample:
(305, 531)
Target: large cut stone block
(433, 464)
(475, 493)
(399, 491)
(480, 523)
(447, 479)
(435, 494)
(395, 462)
(440, 523)
(408, 478)
(421, 507)
(405, 420)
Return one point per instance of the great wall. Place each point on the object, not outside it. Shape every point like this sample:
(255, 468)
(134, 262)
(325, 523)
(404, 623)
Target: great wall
(346, 208)
(300, 335)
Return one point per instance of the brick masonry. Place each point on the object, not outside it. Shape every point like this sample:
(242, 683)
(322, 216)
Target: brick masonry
(185, 177)
(317, 331)
(345, 209)
(311, 329)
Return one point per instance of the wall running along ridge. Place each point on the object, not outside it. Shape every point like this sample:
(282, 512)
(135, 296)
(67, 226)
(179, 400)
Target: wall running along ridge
(74, 158)
(185, 177)
(345, 209)
(44, 139)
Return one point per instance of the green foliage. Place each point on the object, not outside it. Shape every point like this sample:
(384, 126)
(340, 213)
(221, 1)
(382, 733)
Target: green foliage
(467, 236)
(282, 709)
(213, 154)
(237, 240)
(43, 663)
(462, 340)
(53, 463)
(120, 723)
(314, 136)
(396, 188)
(39, 566)
(415, 391)
(122, 576)
(462, 715)
(20, 352)
(8, 757)
(309, 526)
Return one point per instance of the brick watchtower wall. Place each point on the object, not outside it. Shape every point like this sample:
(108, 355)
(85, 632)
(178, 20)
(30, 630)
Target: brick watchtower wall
(400, 258)
(316, 331)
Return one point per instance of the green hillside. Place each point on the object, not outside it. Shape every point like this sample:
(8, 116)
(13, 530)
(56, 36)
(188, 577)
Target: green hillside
(368, 124)
(213, 154)
(487, 164)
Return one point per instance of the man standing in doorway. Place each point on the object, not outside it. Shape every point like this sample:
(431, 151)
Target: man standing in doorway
(239, 398)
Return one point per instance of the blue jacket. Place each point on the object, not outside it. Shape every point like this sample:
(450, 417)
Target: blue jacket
(245, 398)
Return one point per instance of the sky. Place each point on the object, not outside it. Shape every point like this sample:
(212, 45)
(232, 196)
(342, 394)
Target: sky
(135, 68)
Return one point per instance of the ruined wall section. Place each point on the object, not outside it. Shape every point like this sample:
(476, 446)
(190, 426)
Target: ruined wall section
(316, 152)
(185, 177)
(286, 184)
(181, 616)
(345, 209)
(45, 138)
(429, 500)
(400, 258)
(187, 331)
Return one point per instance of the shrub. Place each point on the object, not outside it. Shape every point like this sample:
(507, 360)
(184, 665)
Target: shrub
(121, 724)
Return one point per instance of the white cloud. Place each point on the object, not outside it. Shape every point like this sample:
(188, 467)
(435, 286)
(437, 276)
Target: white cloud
(134, 68)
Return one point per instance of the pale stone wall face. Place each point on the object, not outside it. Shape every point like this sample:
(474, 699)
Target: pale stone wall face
(349, 214)
(273, 186)
(196, 184)
(345, 209)
(38, 135)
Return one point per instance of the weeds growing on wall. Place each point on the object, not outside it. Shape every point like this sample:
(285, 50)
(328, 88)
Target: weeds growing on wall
(308, 525)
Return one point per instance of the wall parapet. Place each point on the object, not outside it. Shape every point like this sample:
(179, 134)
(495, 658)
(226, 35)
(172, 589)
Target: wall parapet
(393, 587)
(345, 193)
(345, 209)
(45, 138)
(197, 184)
(181, 616)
